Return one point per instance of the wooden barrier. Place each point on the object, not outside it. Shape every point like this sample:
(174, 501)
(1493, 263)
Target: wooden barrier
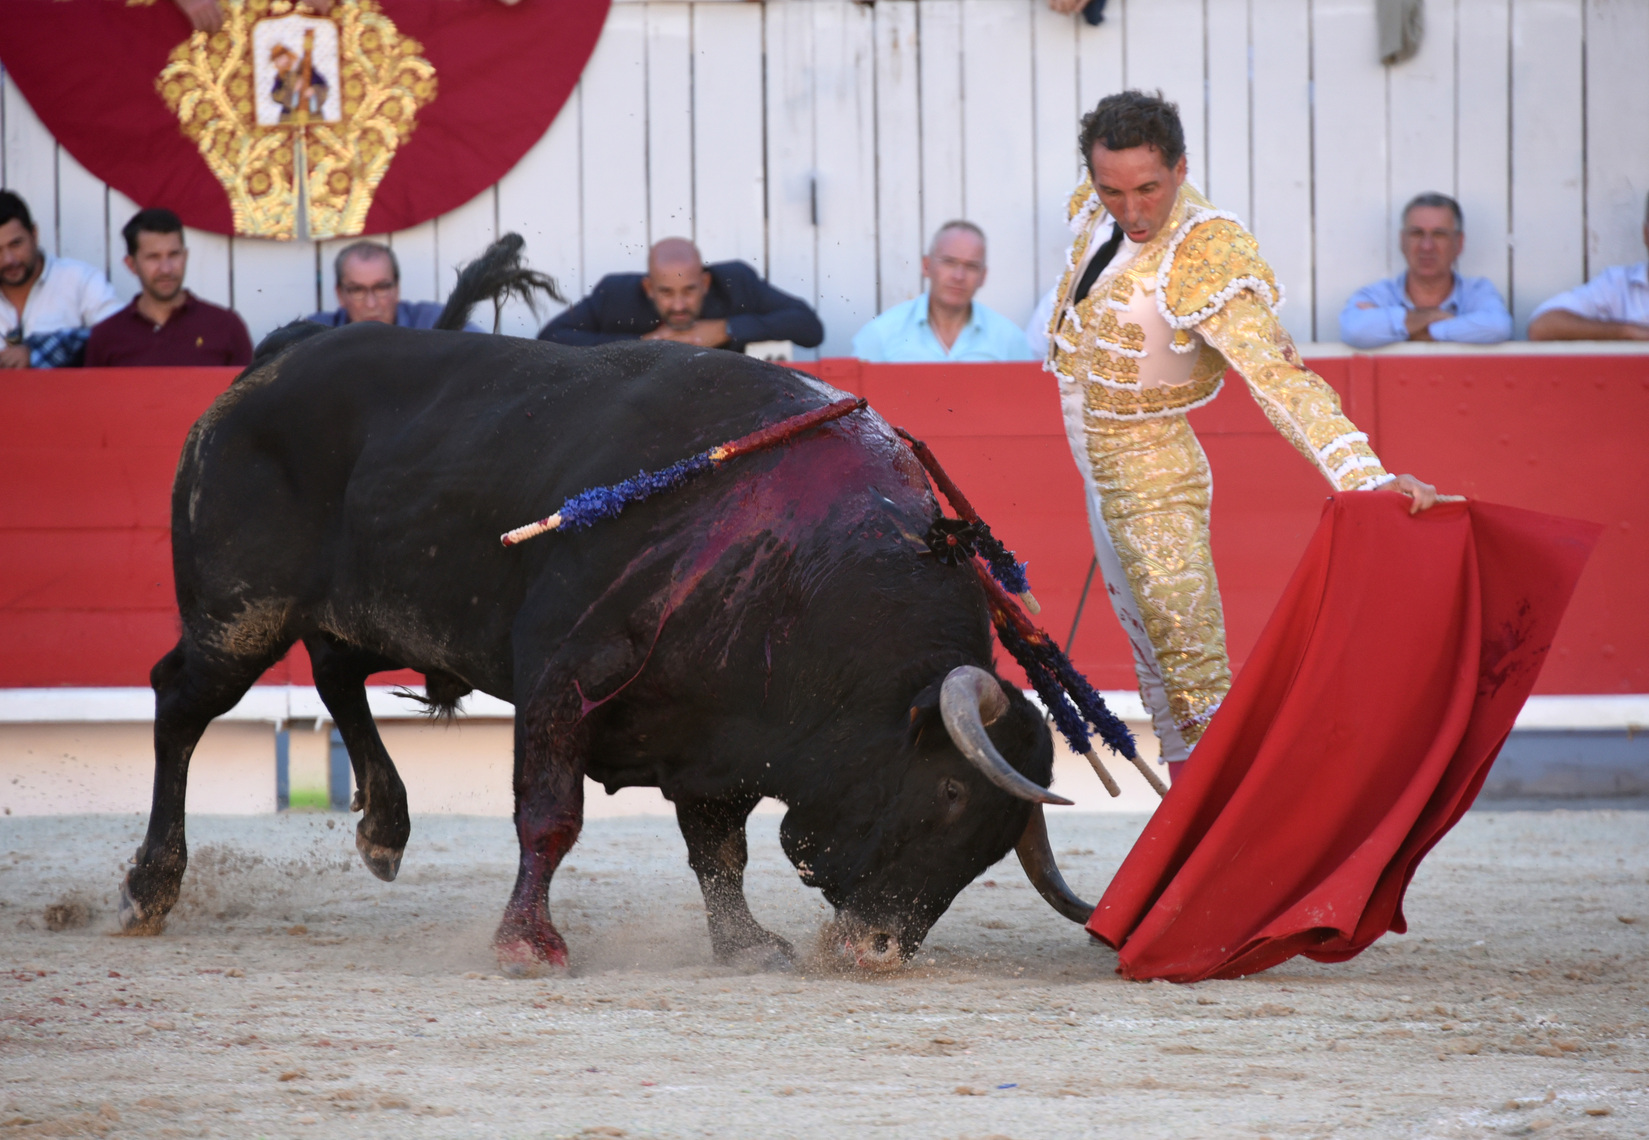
(86, 460)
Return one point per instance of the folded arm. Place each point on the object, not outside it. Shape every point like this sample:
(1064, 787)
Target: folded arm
(773, 314)
(581, 325)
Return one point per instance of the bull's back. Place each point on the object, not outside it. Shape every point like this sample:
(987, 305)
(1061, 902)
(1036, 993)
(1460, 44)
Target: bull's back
(367, 474)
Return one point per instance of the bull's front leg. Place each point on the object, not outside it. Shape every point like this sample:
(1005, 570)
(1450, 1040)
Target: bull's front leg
(549, 813)
(716, 850)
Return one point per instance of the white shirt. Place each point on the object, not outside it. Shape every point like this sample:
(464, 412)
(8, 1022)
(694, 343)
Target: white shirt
(1619, 293)
(68, 294)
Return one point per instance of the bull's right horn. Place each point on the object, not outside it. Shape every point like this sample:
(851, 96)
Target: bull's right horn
(969, 699)
(1036, 855)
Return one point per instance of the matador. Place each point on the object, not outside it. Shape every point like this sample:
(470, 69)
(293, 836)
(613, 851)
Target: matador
(1161, 294)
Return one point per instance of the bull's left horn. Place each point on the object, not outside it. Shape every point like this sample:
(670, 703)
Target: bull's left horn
(1036, 855)
(969, 699)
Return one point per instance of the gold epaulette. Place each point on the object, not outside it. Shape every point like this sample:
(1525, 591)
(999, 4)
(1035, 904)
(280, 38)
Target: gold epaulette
(1209, 261)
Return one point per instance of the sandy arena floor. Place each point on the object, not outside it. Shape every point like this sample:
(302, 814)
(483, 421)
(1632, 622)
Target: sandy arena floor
(294, 995)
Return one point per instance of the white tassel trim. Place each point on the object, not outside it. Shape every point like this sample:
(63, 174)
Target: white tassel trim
(1116, 385)
(1065, 345)
(1337, 443)
(1380, 481)
(1117, 349)
(1190, 346)
(1262, 289)
(1079, 220)
(1352, 465)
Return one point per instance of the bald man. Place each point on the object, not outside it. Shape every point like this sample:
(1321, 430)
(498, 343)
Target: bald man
(726, 305)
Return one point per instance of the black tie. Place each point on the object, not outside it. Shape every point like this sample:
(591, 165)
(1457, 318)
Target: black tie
(1097, 265)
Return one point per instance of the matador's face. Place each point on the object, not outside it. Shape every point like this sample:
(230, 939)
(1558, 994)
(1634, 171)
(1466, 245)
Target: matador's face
(1136, 187)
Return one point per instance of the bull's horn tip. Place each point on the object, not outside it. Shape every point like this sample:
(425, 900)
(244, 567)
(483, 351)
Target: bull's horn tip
(1061, 801)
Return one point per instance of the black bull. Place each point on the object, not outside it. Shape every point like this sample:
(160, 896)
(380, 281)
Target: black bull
(775, 628)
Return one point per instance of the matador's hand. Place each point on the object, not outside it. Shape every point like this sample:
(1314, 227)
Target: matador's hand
(1425, 496)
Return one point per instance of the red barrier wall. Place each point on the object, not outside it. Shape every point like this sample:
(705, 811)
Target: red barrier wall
(86, 460)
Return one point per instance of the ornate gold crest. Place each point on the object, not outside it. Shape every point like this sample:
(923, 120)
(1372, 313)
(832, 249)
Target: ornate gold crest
(298, 115)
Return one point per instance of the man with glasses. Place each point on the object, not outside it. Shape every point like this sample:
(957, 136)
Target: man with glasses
(1429, 300)
(368, 284)
(945, 324)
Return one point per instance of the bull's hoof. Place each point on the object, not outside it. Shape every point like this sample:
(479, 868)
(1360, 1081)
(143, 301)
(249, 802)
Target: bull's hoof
(385, 862)
(134, 919)
(520, 958)
(766, 958)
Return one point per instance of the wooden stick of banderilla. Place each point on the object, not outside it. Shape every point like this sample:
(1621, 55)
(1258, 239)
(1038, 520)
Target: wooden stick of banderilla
(958, 501)
(575, 513)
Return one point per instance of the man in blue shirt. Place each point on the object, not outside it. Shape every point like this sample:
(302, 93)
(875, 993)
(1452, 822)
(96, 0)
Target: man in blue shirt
(1429, 301)
(1614, 305)
(945, 324)
(368, 284)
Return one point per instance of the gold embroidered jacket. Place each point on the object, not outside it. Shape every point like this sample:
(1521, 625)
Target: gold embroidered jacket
(1155, 335)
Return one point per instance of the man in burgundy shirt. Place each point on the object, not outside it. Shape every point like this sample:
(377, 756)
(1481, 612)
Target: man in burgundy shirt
(165, 325)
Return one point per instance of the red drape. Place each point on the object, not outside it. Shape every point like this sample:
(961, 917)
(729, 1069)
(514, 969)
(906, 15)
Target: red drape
(1357, 734)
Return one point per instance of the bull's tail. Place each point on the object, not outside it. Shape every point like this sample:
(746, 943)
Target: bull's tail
(496, 275)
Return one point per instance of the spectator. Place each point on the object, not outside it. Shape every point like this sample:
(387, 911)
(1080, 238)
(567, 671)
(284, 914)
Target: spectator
(945, 323)
(1036, 329)
(1614, 305)
(165, 325)
(1429, 300)
(726, 305)
(367, 280)
(48, 304)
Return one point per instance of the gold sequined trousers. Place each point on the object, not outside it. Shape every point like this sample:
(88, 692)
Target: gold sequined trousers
(1155, 489)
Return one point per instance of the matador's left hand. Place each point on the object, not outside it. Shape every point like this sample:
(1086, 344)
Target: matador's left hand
(1425, 496)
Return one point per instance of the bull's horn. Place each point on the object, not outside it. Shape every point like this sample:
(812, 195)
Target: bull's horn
(1037, 857)
(969, 699)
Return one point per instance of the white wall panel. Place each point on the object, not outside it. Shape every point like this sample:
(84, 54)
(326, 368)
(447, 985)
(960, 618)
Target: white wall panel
(844, 128)
(1281, 216)
(1229, 119)
(998, 161)
(1617, 132)
(31, 163)
(541, 200)
(899, 236)
(1057, 113)
(1548, 200)
(669, 121)
(728, 169)
(1483, 156)
(792, 171)
(728, 122)
(1352, 207)
(939, 37)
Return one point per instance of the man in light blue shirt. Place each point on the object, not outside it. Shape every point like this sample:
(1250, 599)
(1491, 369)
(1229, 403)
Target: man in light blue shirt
(1614, 305)
(945, 324)
(1429, 300)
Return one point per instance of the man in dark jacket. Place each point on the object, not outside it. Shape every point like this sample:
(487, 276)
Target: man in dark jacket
(726, 305)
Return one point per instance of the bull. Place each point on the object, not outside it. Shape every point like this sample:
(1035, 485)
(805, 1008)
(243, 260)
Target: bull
(777, 629)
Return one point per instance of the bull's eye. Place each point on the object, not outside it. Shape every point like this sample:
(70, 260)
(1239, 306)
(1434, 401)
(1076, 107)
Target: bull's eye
(953, 798)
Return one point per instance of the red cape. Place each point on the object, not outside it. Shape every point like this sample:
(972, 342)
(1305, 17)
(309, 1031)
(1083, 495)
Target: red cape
(1357, 734)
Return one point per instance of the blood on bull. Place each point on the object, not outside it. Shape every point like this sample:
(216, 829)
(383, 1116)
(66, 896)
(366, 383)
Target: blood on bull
(778, 628)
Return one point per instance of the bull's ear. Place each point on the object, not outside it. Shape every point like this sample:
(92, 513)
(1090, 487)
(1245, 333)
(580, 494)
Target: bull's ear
(924, 713)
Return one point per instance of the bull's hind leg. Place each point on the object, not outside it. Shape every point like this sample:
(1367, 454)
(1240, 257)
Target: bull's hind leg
(716, 850)
(340, 677)
(550, 759)
(192, 686)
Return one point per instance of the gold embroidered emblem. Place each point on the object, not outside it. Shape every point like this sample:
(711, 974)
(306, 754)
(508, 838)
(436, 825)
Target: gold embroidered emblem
(298, 115)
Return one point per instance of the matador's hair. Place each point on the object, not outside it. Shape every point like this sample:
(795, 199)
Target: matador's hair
(1133, 118)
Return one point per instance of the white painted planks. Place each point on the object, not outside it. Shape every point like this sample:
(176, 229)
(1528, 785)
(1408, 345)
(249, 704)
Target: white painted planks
(1617, 132)
(728, 169)
(1548, 201)
(1352, 230)
(734, 123)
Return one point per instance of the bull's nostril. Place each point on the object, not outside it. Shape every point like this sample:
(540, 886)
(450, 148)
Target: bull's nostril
(880, 942)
